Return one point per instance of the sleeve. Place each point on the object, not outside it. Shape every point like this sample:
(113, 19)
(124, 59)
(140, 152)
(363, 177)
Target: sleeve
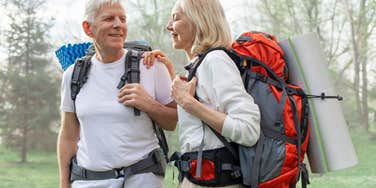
(242, 122)
(162, 84)
(66, 103)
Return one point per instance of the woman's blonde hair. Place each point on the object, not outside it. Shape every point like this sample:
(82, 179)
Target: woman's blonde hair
(210, 24)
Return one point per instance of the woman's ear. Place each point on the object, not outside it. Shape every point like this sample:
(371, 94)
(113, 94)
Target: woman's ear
(87, 30)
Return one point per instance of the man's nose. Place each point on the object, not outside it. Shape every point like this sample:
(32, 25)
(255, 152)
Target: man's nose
(117, 22)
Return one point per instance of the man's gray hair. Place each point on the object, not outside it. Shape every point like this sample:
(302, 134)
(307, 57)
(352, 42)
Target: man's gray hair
(93, 7)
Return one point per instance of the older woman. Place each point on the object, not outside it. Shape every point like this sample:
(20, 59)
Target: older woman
(221, 106)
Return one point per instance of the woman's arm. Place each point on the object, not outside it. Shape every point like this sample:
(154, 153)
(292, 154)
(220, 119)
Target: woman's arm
(149, 59)
(235, 115)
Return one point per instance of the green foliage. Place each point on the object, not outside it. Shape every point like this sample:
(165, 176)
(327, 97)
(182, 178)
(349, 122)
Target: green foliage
(149, 23)
(29, 88)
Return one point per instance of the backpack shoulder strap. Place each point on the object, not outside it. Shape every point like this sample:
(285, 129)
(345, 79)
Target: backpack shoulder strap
(133, 68)
(193, 69)
(79, 75)
(132, 75)
(191, 73)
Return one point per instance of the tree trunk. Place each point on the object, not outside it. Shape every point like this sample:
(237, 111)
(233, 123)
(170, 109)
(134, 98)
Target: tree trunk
(24, 148)
(363, 52)
(365, 119)
(356, 72)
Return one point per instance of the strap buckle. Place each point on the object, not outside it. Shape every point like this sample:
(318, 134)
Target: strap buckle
(83, 173)
(183, 166)
(236, 173)
(119, 172)
(156, 156)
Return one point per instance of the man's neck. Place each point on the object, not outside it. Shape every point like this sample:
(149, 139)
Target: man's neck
(109, 55)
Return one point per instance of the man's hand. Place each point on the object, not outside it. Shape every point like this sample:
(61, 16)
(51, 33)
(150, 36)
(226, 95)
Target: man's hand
(135, 95)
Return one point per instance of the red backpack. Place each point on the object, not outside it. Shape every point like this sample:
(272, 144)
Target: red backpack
(276, 161)
(284, 137)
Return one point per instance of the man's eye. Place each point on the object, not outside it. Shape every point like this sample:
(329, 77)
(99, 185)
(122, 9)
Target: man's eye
(108, 19)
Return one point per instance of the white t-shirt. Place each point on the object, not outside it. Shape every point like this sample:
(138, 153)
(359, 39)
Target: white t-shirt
(220, 87)
(111, 136)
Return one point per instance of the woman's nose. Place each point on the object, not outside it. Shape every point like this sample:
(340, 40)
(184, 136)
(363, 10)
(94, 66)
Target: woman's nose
(169, 25)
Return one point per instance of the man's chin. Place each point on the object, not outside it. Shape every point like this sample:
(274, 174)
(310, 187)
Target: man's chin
(116, 46)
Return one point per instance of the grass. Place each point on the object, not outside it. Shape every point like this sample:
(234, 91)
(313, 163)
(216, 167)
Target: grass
(41, 170)
(362, 175)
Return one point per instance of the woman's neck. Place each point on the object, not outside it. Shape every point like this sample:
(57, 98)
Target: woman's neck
(189, 54)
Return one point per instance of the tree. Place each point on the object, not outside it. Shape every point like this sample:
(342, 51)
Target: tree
(362, 22)
(148, 22)
(29, 87)
(345, 29)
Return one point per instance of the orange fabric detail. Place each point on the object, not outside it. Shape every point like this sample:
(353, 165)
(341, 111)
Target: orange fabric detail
(265, 50)
(207, 170)
(282, 181)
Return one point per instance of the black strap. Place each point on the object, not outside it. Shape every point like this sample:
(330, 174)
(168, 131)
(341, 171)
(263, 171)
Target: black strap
(225, 142)
(134, 71)
(124, 77)
(305, 116)
(79, 75)
(305, 176)
(150, 164)
(192, 68)
(299, 135)
(278, 136)
(162, 140)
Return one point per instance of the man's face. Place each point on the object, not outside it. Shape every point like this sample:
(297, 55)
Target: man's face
(109, 28)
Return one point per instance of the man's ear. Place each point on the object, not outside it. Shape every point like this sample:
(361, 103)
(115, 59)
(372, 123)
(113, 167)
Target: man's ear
(87, 30)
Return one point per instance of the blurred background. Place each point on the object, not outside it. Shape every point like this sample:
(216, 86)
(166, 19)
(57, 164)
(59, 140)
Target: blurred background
(31, 30)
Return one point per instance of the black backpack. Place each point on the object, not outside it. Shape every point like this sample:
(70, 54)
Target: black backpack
(131, 75)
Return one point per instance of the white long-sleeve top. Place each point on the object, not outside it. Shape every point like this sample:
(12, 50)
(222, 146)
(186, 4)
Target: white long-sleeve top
(220, 87)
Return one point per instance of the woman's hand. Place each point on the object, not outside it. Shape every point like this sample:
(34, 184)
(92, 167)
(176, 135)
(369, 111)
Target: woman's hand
(149, 59)
(183, 91)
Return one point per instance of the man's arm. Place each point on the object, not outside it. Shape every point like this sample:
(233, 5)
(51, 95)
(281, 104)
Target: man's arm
(67, 145)
(164, 115)
(134, 95)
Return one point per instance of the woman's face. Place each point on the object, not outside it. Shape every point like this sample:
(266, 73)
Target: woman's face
(109, 28)
(181, 28)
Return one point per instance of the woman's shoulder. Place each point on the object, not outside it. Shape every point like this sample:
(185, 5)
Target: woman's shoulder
(218, 58)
